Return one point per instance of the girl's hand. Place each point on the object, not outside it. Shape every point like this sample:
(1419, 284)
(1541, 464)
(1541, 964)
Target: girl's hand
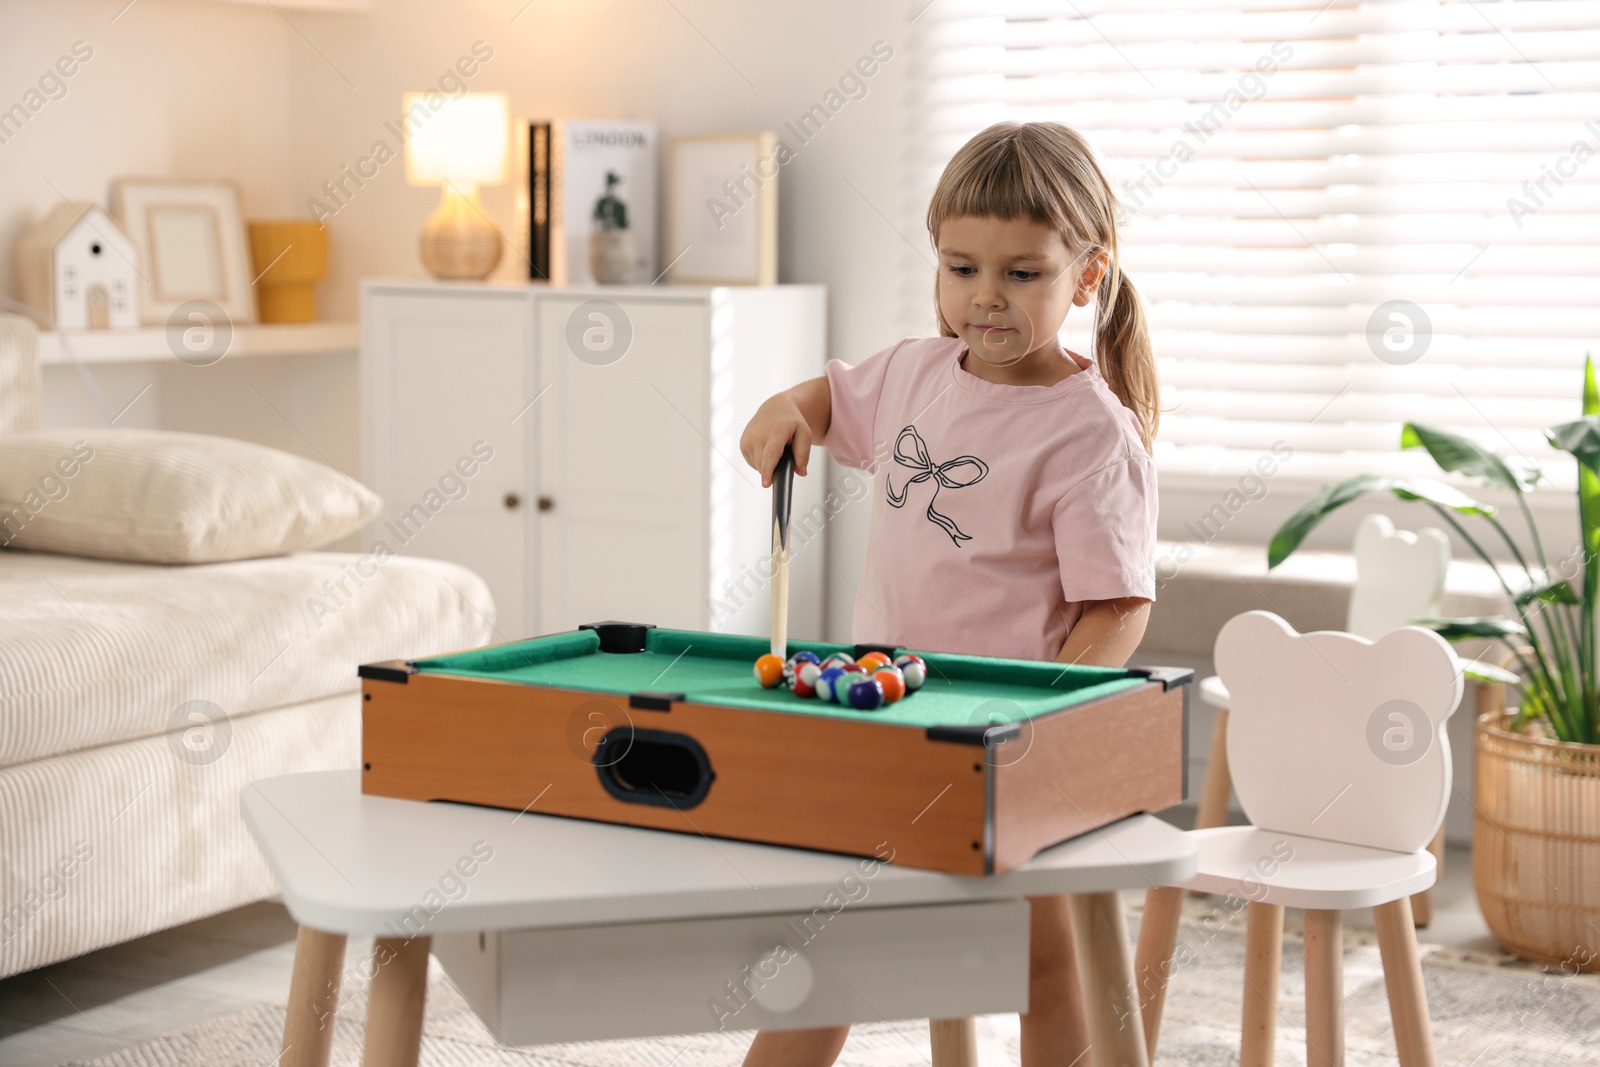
(795, 417)
(777, 423)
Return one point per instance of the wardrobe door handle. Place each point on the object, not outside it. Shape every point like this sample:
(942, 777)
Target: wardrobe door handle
(546, 503)
(513, 502)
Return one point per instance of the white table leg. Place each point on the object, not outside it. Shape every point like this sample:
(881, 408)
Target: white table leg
(313, 998)
(399, 992)
(1105, 965)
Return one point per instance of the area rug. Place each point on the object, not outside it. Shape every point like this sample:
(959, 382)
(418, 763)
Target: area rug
(1487, 1011)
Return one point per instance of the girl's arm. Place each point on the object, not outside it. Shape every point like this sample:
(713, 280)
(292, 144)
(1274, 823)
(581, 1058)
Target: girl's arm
(1107, 632)
(799, 416)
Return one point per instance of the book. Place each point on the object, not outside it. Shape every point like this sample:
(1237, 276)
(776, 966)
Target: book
(579, 175)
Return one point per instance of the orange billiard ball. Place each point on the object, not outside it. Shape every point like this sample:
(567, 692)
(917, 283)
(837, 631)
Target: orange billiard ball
(893, 682)
(769, 670)
(873, 660)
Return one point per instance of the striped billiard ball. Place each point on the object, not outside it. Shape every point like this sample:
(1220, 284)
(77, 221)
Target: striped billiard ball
(913, 669)
(828, 684)
(804, 683)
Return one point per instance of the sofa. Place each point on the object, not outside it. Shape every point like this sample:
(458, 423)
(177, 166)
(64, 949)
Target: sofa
(137, 699)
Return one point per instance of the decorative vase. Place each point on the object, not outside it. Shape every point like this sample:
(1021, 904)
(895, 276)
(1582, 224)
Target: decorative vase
(611, 256)
(1536, 843)
(290, 256)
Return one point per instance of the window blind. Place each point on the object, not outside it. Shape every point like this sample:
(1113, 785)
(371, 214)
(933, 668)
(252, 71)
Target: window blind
(1341, 215)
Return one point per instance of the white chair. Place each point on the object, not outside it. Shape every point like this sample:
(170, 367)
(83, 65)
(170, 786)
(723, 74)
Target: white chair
(1339, 754)
(1399, 578)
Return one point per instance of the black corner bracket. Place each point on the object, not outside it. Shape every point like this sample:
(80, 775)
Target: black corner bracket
(1167, 676)
(395, 670)
(978, 734)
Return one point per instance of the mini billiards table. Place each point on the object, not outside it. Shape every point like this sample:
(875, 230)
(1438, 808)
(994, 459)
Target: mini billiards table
(989, 762)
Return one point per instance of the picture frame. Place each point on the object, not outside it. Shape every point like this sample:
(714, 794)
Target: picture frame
(192, 245)
(722, 209)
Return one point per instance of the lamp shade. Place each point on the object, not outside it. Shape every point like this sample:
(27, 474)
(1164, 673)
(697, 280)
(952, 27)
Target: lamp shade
(459, 139)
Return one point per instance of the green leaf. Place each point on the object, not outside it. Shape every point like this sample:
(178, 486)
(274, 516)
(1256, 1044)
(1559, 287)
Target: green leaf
(1476, 626)
(1581, 438)
(1333, 497)
(1462, 455)
(1488, 674)
(1559, 591)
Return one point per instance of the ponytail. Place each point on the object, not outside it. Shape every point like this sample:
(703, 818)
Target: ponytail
(1122, 348)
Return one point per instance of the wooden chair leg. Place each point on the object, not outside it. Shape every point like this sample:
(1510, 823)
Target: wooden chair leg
(1152, 961)
(1105, 969)
(1422, 903)
(1263, 957)
(1213, 808)
(1324, 989)
(395, 1008)
(313, 998)
(955, 1042)
(1402, 976)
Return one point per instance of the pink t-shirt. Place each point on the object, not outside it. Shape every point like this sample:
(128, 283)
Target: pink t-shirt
(998, 509)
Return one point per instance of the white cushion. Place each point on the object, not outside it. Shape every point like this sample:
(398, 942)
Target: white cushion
(156, 496)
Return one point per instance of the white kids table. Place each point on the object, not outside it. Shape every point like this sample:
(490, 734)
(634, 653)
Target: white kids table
(563, 930)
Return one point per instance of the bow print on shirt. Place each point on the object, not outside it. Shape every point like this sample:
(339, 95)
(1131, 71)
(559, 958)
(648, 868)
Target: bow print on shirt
(958, 473)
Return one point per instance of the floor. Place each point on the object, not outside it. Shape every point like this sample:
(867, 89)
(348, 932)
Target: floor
(96, 1004)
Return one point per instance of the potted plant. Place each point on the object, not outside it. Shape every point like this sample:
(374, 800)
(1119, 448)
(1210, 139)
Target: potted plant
(1536, 832)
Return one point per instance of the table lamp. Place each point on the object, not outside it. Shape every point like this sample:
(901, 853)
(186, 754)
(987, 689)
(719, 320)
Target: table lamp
(457, 143)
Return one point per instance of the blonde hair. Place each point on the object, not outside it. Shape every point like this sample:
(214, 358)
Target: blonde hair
(1046, 172)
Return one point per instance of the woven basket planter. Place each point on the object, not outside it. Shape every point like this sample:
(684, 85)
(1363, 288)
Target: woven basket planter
(1536, 844)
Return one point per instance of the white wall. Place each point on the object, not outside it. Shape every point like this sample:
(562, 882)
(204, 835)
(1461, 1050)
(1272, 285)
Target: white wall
(280, 102)
(716, 67)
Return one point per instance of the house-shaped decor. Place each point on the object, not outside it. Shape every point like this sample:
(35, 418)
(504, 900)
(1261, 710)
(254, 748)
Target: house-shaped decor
(77, 266)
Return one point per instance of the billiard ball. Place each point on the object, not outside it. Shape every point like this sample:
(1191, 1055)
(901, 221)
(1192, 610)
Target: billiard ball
(865, 694)
(804, 681)
(806, 657)
(914, 670)
(873, 660)
(838, 659)
(826, 682)
(769, 670)
(892, 682)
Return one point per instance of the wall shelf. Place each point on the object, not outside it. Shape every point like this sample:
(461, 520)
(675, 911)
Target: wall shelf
(149, 344)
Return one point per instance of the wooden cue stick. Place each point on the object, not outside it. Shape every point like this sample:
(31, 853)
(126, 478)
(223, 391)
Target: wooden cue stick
(780, 593)
(782, 494)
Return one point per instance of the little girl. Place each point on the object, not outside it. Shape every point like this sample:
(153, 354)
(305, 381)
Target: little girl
(1017, 514)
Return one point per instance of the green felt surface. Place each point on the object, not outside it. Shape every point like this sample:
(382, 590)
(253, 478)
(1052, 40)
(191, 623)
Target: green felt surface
(718, 669)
